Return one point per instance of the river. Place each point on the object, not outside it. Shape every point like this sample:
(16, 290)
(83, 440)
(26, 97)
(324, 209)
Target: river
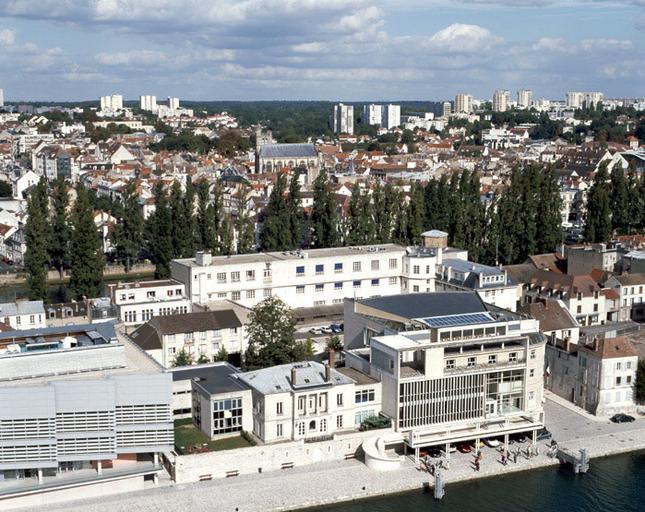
(613, 484)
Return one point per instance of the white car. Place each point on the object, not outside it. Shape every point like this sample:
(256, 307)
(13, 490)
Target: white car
(315, 330)
(491, 443)
(326, 330)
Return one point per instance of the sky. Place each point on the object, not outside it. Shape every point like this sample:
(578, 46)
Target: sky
(340, 50)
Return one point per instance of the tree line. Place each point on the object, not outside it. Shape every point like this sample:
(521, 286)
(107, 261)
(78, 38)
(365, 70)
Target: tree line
(521, 220)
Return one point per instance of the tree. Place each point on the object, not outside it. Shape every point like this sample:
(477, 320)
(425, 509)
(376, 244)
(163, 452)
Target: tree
(598, 215)
(324, 217)
(619, 197)
(275, 233)
(416, 214)
(61, 231)
(5, 189)
(334, 343)
(128, 233)
(306, 351)
(181, 238)
(160, 233)
(190, 224)
(207, 230)
(86, 250)
(295, 214)
(222, 354)
(271, 333)
(203, 359)
(183, 358)
(244, 224)
(37, 241)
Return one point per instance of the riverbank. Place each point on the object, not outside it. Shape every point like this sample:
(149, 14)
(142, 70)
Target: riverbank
(332, 483)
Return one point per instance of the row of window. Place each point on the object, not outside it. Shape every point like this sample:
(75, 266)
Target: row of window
(151, 294)
(357, 266)
(492, 359)
(338, 286)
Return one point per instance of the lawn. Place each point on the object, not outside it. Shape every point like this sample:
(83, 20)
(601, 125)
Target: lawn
(186, 435)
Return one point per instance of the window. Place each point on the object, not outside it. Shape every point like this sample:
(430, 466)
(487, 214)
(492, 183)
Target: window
(266, 292)
(338, 286)
(320, 269)
(356, 266)
(361, 416)
(278, 430)
(301, 403)
(356, 284)
(375, 282)
(531, 395)
(338, 267)
(471, 362)
(375, 265)
(221, 277)
(364, 395)
(512, 357)
(595, 308)
(532, 354)
(300, 289)
(250, 275)
(492, 359)
(320, 287)
(619, 381)
(278, 409)
(339, 399)
(450, 364)
(339, 422)
(250, 294)
(415, 289)
(628, 379)
(393, 263)
(300, 271)
(579, 309)
(532, 372)
(393, 280)
(235, 277)
(619, 366)
(301, 428)
(227, 416)
(266, 273)
(151, 295)
(31, 319)
(235, 296)
(415, 269)
(629, 365)
(323, 425)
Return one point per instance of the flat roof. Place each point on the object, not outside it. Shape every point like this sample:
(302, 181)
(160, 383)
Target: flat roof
(214, 378)
(428, 305)
(469, 266)
(268, 257)
(455, 320)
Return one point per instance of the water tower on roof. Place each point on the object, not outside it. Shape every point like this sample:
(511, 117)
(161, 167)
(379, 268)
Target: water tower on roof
(434, 239)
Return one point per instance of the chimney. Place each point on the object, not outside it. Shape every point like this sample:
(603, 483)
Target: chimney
(327, 373)
(293, 375)
(567, 344)
(596, 343)
(332, 359)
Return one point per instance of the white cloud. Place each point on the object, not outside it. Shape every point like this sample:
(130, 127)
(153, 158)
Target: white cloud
(131, 58)
(462, 38)
(315, 47)
(7, 36)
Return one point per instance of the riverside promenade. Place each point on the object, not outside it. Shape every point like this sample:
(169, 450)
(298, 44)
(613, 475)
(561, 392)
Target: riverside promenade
(329, 483)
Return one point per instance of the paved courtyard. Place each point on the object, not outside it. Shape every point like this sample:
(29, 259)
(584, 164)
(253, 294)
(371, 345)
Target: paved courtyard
(340, 481)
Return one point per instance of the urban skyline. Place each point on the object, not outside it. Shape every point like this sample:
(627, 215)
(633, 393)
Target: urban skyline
(365, 50)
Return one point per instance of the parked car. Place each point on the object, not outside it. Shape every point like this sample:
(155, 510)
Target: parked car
(315, 330)
(544, 435)
(464, 448)
(622, 418)
(491, 442)
(336, 328)
(520, 438)
(326, 330)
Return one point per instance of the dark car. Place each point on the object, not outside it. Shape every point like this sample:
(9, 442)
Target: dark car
(544, 435)
(336, 328)
(622, 418)
(519, 438)
(464, 448)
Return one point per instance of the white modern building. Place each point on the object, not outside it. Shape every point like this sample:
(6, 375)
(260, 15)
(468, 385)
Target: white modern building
(584, 99)
(1, 98)
(391, 116)
(372, 114)
(139, 301)
(500, 100)
(447, 109)
(524, 98)
(463, 103)
(111, 103)
(78, 399)
(173, 103)
(343, 119)
(22, 315)
(148, 103)
(452, 368)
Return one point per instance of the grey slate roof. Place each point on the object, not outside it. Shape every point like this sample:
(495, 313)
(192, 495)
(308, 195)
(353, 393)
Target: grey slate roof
(213, 378)
(468, 266)
(288, 151)
(428, 305)
(277, 379)
(30, 307)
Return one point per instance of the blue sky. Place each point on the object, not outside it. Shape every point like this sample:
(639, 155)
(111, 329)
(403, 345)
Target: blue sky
(319, 49)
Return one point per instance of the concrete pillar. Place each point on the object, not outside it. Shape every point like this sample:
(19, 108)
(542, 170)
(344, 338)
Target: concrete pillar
(534, 438)
(416, 455)
(447, 451)
(99, 467)
(40, 476)
(155, 458)
(155, 479)
(505, 441)
(477, 443)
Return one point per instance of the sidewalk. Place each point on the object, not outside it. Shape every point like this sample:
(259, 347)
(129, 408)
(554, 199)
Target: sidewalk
(574, 408)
